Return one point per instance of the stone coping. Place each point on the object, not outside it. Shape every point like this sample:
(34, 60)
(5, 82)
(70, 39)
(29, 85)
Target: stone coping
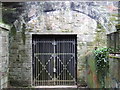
(5, 26)
(114, 56)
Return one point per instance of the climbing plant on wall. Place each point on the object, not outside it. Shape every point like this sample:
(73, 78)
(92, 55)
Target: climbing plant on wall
(13, 32)
(23, 33)
(101, 64)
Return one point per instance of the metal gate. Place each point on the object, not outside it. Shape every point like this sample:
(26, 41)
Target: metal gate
(54, 60)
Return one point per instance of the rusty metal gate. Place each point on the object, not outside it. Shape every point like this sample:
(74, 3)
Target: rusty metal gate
(54, 60)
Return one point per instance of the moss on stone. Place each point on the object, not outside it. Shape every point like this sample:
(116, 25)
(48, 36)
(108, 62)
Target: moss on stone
(67, 30)
(114, 57)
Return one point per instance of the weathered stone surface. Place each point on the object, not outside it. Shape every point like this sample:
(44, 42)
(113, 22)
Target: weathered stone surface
(78, 18)
(3, 56)
(114, 72)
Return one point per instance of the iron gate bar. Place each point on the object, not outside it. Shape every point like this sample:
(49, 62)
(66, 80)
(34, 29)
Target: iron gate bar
(54, 60)
(54, 54)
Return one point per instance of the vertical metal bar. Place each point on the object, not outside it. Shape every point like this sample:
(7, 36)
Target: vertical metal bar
(40, 58)
(32, 68)
(72, 44)
(73, 62)
(62, 61)
(69, 68)
(74, 58)
(43, 60)
(58, 64)
(50, 61)
(34, 62)
(54, 63)
(41, 44)
(35, 65)
(69, 62)
(47, 78)
(65, 60)
(72, 68)
(66, 51)
(37, 61)
(43, 63)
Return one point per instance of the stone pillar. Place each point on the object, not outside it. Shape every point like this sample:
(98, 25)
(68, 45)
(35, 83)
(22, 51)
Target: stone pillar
(4, 29)
(20, 65)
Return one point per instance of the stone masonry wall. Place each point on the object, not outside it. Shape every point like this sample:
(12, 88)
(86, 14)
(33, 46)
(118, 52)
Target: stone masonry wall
(114, 72)
(49, 21)
(4, 55)
(58, 22)
(20, 61)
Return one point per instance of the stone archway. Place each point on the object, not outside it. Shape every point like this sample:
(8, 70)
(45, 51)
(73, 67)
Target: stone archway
(69, 19)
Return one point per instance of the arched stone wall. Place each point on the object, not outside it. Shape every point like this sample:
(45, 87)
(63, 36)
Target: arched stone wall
(59, 18)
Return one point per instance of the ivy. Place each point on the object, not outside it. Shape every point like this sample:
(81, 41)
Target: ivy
(13, 31)
(102, 64)
(23, 33)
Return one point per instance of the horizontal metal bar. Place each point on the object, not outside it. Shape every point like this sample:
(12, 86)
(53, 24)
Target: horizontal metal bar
(55, 81)
(53, 54)
(55, 41)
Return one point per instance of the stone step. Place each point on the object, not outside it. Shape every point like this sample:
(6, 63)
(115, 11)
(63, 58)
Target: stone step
(45, 88)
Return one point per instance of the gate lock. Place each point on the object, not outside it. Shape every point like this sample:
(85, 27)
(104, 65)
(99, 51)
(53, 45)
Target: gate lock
(54, 70)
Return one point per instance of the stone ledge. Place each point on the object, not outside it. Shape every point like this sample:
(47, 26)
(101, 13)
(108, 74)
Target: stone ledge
(114, 57)
(5, 26)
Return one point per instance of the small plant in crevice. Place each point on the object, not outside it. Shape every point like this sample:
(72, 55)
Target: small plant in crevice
(102, 64)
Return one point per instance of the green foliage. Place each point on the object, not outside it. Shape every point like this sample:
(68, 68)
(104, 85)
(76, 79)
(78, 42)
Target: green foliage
(23, 33)
(99, 25)
(13, 31)
(102, 64)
